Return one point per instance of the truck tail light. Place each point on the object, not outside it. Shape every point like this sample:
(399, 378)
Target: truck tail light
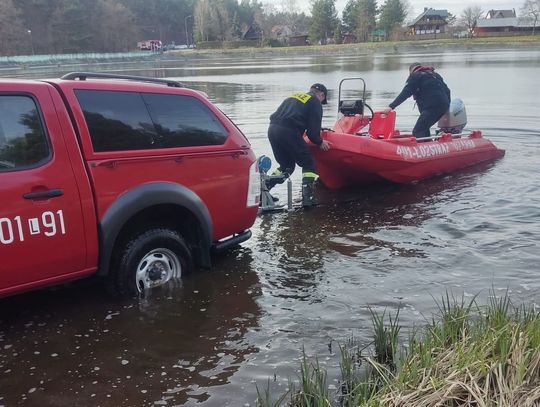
(254, 186)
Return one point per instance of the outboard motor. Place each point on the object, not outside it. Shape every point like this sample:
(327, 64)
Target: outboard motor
(455, 119)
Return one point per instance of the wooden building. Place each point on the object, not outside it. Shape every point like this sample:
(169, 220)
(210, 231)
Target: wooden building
(501, 14)
(501, 23)
(296, 40)
(430, 22)
(253, 33)
(349, 38)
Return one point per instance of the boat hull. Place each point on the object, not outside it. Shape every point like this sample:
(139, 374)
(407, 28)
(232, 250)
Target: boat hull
(361, 159)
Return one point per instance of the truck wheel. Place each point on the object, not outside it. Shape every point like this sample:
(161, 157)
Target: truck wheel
(149, 260)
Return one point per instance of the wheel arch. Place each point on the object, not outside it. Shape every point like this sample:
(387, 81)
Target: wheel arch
(155, 204)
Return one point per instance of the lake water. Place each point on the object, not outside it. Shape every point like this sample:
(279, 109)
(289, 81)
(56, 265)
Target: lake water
(305, 279)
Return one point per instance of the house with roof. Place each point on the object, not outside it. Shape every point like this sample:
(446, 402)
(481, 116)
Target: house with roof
(502, 22)
(253, 33)
(298, 40)
(281, 32)
(349, 38)
(430, 23)
(501, 14)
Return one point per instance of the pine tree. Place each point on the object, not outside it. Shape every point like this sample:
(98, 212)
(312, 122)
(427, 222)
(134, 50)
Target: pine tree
(366, 15)
(338, 35)
(349, 16)
(323, 20)
(393, 13)
(359, 17)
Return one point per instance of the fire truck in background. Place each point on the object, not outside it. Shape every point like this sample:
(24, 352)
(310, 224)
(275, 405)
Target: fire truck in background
(150, 45)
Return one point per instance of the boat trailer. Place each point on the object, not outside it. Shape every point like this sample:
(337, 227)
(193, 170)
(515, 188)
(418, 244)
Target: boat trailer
(269, 203)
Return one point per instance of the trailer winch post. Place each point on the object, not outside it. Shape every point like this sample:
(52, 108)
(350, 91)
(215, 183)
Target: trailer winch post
(289, 194)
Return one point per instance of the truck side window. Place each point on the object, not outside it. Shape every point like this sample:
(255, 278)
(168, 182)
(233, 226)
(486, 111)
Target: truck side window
(117, 120)
(183, 121)
(134, 121)
(23, 143)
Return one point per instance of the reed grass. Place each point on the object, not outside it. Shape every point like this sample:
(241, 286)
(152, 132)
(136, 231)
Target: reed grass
(465, 355)
(313, 388)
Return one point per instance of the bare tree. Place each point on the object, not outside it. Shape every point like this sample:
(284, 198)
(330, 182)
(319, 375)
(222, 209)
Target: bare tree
(531, 9)
(289, 10)
(289, 6)
(264, 24)
(221, 28)
(202, 13)
(115, 27)
(469, 17)
(13, 37)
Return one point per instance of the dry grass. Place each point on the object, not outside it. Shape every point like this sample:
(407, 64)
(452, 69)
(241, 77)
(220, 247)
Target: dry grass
(466, 356)
(371, 46)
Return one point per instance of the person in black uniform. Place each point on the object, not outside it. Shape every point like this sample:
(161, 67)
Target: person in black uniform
(431, 94)
(299, 113)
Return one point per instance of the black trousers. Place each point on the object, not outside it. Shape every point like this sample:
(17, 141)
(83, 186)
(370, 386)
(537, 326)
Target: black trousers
(289, 148)
(428, 117)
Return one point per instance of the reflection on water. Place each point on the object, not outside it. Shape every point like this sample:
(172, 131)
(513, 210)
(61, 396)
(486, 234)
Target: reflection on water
(170, 346)
(305, 279)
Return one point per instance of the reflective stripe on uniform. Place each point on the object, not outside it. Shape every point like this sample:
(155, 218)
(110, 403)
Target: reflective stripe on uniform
(309, 174)
(302, 97)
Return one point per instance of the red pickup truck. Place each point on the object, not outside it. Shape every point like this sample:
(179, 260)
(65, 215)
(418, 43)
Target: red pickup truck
(131, 178)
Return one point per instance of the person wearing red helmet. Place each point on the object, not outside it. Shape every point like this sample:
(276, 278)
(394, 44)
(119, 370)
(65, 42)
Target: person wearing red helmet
(430, 93)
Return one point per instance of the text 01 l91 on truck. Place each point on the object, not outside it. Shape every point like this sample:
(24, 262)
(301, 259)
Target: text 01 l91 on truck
(134, 179)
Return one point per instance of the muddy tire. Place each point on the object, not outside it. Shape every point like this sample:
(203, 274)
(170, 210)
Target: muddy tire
(155, 258)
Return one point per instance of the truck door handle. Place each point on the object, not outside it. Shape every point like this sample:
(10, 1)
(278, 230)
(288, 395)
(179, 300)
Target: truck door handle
(50, 193)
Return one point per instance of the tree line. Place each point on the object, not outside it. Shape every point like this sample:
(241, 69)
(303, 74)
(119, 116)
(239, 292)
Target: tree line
(72, 26)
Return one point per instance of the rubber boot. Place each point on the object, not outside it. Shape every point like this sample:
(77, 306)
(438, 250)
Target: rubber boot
(308, 199)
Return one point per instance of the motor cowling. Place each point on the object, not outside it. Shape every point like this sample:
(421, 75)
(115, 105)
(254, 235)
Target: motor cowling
(455, 119)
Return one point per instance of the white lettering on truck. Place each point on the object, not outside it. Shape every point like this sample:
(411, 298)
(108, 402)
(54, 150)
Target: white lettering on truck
(49, 223)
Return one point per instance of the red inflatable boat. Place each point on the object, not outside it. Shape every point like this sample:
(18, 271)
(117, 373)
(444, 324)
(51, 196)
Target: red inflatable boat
(368, 148)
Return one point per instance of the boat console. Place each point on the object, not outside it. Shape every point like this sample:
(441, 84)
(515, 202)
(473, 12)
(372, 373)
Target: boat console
(351, 107)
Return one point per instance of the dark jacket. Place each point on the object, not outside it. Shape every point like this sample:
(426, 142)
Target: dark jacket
(301, 112)
(427, 87)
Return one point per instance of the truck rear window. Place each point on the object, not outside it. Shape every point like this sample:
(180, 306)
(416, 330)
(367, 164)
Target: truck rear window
(23, 143)
(134, 121)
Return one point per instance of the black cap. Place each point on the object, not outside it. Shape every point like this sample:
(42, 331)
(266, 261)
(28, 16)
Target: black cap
(321, 88)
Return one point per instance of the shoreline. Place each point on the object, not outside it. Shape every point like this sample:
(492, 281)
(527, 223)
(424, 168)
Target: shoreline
(371, 47)
(476, 354)
(390, 47)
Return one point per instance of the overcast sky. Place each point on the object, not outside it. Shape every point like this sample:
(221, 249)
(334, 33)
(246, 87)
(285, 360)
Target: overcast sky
(417, 6)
